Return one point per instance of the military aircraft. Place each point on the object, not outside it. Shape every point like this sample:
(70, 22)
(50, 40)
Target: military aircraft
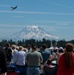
(13, 7)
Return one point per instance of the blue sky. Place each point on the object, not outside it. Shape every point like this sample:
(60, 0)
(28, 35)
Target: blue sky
(54, 16)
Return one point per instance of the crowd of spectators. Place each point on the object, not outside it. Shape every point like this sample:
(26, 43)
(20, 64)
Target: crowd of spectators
(37, 61)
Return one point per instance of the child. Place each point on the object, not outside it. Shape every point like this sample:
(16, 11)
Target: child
(49, 69)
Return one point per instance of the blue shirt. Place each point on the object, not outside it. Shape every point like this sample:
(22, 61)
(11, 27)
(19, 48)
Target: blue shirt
(45, 55)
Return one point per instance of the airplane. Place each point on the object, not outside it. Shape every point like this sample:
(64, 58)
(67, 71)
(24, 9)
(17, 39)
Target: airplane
(13, 7)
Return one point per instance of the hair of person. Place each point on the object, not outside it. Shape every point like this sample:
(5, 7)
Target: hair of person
(7, 45)
(20, 47)
(13, 46)
(60, 51)
(34, 46)
(68, 54)
(44, 46)
(49, 61)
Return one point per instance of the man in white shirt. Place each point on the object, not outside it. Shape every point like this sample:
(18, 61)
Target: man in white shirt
(20, 61)
(14, 54)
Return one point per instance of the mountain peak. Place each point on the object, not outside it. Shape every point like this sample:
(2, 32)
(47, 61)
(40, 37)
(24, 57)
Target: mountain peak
(32, 26)
(33, 32)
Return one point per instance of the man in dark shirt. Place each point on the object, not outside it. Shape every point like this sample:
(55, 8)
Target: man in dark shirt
(8, 53)
(45, 53)
(3, 68)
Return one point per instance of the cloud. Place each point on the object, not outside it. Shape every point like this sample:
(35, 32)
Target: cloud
(49, 28)
(10, 25)
(19, 16)
(29, 12)
(57, 22)
(56, 27)
(58, 4)
(4, 5)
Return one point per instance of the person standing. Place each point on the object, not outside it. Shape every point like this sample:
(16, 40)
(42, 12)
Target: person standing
(15, 53)
(3, 68)
(8, 53)
(20, 62)
(66, 61)
(45, 53)
(33, 59)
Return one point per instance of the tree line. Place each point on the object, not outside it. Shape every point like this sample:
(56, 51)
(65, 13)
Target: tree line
(25, 43)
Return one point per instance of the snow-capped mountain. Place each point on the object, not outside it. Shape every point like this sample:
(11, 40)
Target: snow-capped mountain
(33, 32)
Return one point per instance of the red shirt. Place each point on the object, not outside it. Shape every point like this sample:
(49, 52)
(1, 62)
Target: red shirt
(62, 70)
